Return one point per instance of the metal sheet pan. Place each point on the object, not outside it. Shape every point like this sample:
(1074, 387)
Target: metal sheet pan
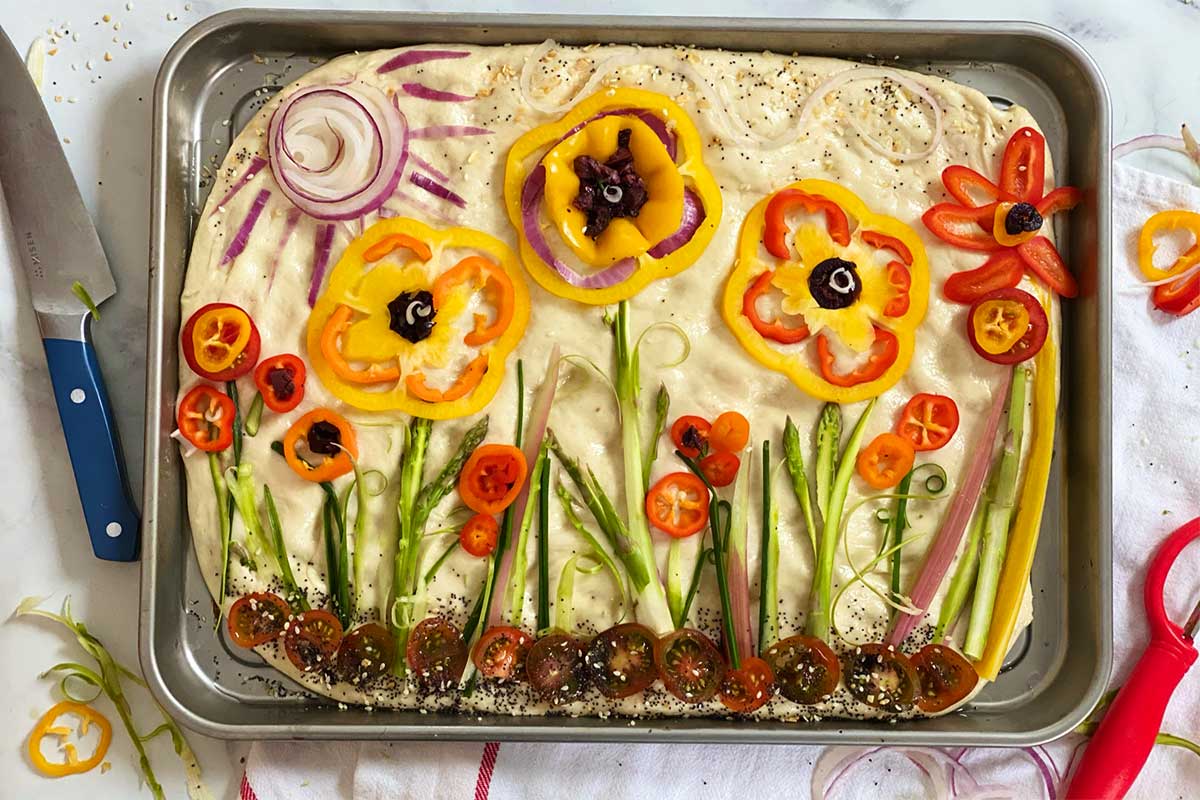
(218, 74)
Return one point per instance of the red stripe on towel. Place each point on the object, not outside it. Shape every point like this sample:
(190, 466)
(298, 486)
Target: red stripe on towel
(245, 792)
(486, 765)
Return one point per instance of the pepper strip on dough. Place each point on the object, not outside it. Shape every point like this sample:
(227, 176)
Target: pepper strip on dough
(1022, 540)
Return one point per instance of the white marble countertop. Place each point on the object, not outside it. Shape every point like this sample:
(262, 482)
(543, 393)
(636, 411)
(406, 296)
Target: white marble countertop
(98, 88)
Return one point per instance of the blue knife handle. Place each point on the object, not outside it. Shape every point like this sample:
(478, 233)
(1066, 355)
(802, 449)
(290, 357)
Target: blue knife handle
(112, 520)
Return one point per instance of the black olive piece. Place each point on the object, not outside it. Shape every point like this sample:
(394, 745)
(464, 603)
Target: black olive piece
(412, 315)
(834, 283)
(609, 190)
(324, 438)
(692, 439)
(1022, 218)
(283, 382)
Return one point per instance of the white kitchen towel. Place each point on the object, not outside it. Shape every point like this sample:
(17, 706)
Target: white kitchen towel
(1156, 417)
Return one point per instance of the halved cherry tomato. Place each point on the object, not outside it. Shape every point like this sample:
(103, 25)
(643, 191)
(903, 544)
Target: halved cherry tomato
(690, 435)
(436, 652)
(1042, 257)
(881, 676)
(998, 310)
(678, 504)
(555, 668)
(280, 380)
(365, 654)
(220, 342)
(690, 665)
(928, 421)
(749, 687)
(775, 228)
(774, 330)
(500, 653)
(257, 618)
(960, 181)
(961, 226)
(205, 418)
(328, 444)
(730, 433)
(620, 661)
(720, 468)
(1023, 168)
(479, 536)
(884, 352)
(1180, 297)
(311, 640)
(886, 460)
(492, 478)
(1001, 271)
(946, 677)
(806, 669)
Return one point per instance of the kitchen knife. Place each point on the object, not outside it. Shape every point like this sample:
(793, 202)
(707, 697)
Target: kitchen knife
(60, 249)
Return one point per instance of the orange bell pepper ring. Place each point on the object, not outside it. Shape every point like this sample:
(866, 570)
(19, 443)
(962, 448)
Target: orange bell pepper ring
(395, 241)
(883, 355)
(333, 330)
(47, 726)
(462, 386)
(329, 445)
(486, 273)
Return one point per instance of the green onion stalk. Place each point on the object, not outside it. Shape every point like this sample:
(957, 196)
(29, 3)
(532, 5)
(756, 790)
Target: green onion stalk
(520, 561)
(768, 559)
(567, 501)
(337, 556)
(820, 616)
(997, 519)
(896, 527)
(223, 520)
(295, 594)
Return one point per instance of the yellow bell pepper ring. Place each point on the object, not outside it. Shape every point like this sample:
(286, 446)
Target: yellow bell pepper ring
(48, 727)
(1165, 222)
(847, 295)
(662, 236)
(418, 320)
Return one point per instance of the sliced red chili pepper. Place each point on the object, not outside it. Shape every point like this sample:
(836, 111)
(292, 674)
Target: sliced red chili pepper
(1002, 271)
(960, 181)
(883, 354)
(961, 226)
(205, 418)
(881, 241)
(774, 330)
(1023, 170)
(1042, 257)
(1064, 198)
(479, 536)
(775, 230)
(720, 468)
(1180, 297)
(280, 380)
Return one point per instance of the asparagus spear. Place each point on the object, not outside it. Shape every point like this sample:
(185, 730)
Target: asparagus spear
(829, 438)
(796, 469)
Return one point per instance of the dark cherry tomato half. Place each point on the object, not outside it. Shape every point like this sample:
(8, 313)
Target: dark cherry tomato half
(257, 618)
(500, 653)
(436, 652)
(620, 661)
(479, 536)
(555, 668)
(690, 665)
(946, 677)
(311, 640)
(280, 380)
(690, 435)
(749, 687)
(246, 358)
(881, 676)
(997, 317)
(806, 669)
(365, 654)
(720, 468)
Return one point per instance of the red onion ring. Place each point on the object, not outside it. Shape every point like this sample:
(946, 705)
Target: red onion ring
(423, 92)
(693, 217)
(411, 57)
(243, 232)
(371, 136)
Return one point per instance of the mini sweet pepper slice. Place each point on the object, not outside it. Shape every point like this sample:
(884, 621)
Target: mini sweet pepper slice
(48, 726)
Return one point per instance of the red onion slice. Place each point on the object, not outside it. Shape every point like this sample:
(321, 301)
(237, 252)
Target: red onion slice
(423, 92)
(436, 189)
(448, 132)
(256, 165)
(337, 151)
(428, 168)
(411, 57)
(289, 227)
(693, 217)
(243, 232)
(324, 244)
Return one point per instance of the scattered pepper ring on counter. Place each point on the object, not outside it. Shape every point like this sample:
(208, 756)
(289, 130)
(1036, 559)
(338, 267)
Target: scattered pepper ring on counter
(320, 446)
(1165, 222)
(220, 342)
(46, 727)
(397, 327)
(866, 287)
(629, 213)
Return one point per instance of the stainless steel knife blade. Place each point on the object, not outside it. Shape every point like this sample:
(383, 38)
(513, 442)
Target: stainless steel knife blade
(55, 235)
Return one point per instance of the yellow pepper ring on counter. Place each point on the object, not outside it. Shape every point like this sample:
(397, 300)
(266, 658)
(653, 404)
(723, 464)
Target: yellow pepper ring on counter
(1164, 222)
(47, 727)
(360, 355)
(629, 107)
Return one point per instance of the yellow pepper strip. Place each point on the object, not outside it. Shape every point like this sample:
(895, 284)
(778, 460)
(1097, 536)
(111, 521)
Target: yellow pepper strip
(1022, 538)
(528, 152)
(46, 727)
(393, 378)
(1163, 222)
(800, 363)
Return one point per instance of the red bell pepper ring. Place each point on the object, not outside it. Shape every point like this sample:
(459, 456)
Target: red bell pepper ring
(1002, 271)
(280, 380)
(775, 230)
(960, 181)
(1045, 262)
(774, 330)
(962, 226)
(1180, 297)
(883, 354)
(1064, 198)
(881, 241)
(1023, 169)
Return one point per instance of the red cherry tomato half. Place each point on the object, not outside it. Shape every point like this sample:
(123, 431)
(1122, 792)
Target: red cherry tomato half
(311, 640)
(620, 661)
(555, 668)
(690, 665)
(280, 380)
(881, 676)
(806, 669)
(365, 654)
(436, 652)
(223, 325)
(690, 435)
(720, 468)
(678, 504)
(749, 687)
(257, 618)
(479, 536)
(500, 653)
(993, 315)
(929, 421)
(946, 677)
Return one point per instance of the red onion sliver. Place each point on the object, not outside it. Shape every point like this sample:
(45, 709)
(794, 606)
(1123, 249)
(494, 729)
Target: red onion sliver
(693, 217)
(411, 57)
(421, 205)
(293, 217)
(433, 171)
(243, 232)
(535, 432)
(324, 244)
(256, 165)
(436, 189)
(949, 536)
(448, 132)
(653, 121)
(1151, 142)
(423, 92)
